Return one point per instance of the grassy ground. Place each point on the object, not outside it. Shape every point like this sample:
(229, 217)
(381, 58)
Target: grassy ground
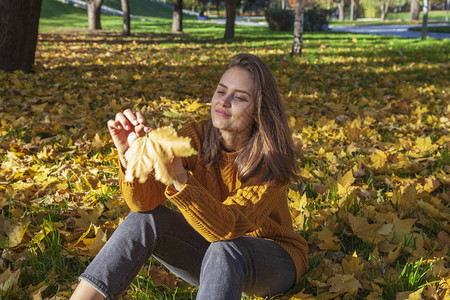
(442, 29)
(369, 113)
(438, 15)
(398, 19)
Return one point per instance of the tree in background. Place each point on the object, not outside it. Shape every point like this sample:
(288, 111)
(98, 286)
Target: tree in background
(414, 10)
(126, 30)
(298, 28)
(177, 17)
(19, 23)
(355, 9)
(94, 12)
(425, 19)
(341, 8)
(231, 6)
(384, 8)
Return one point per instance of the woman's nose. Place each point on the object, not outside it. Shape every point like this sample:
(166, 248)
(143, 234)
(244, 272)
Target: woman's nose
(226, 100)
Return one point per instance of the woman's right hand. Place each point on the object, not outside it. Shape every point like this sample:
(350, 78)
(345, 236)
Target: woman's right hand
(125, 129)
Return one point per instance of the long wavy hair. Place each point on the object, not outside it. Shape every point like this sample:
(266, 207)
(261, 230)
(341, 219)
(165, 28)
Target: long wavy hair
(269, 152)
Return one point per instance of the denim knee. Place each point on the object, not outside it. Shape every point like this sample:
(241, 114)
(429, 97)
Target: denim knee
(226, 252)
(223, 272)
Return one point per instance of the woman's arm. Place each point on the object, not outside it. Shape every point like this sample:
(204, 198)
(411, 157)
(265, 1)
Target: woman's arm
(242, 212)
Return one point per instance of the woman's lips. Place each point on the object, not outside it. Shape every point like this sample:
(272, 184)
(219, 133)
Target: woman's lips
(222, 113)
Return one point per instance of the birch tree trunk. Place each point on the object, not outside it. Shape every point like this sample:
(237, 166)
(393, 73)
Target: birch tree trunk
(341, 7)
(126, 30)
(425, 19)
(298, 28)
(177, 17)
(94, 12)
(384, 7)
(19, 24)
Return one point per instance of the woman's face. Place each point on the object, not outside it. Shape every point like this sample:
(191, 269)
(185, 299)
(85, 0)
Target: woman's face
(233, 103)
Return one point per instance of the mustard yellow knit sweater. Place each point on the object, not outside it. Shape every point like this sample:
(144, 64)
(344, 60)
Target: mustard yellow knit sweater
(221, 207)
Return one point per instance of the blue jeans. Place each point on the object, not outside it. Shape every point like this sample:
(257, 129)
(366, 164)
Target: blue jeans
(222, 270)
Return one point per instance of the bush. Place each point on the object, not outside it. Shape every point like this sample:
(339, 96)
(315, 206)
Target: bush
(280, 19)
(283, 19)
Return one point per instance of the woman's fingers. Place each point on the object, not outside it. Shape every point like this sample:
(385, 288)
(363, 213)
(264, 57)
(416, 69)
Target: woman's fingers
(113, 126)
(140, 118)
(124, 121)
(140, 130)
(129, 114)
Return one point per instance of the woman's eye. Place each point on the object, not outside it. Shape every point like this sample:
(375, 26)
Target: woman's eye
(220, 92)
(241, 99)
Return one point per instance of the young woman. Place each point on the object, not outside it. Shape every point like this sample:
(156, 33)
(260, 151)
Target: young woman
(233, 233)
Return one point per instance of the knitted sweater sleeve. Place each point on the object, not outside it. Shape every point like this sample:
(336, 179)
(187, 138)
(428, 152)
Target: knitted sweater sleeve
(242, 212)
(141, 197)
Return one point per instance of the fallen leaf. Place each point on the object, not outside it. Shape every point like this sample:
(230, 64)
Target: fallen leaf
(344, 284)
(9, 279)
(155, 151)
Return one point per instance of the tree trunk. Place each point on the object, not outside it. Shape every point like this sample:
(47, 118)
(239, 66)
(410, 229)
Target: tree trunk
(298, 28)
(94, 12)
(415, 10)
(425, 19)
(19, 25)
(341, 7)
(355, 10)
(384, 9)
(177, 17)
(231, 17)
(126, 30)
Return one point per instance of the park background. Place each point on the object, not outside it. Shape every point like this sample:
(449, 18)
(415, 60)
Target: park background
(369, 114)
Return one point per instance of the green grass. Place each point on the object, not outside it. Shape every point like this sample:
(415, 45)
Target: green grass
(50, 264)
(432, 15)
(397, 19)
(377, 23)
(440, 29)
(56, 16)
(146, 9)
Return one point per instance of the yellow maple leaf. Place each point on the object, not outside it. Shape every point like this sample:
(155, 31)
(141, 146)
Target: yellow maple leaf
(8, 279)
(402, 229)
(161, 277)
(155, 151)
(15, 231)
(344, 284)
(425, 145)
(344, 184)
(91, 246)
(407, 200)
(351, 264)
(378, 159)
(302, 296)
(194, 106)
(365, 231)
(393, 255)
(327, 240)
(97, 142)
(410, 295)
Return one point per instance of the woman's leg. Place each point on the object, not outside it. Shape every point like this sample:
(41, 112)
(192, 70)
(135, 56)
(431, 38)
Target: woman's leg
(247, 264)
(162, 232)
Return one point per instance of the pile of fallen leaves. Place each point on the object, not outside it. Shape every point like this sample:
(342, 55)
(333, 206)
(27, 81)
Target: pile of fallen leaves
(371, 123)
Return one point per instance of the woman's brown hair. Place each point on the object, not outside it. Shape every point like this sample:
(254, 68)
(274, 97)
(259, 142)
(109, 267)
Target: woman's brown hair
(270, 148)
